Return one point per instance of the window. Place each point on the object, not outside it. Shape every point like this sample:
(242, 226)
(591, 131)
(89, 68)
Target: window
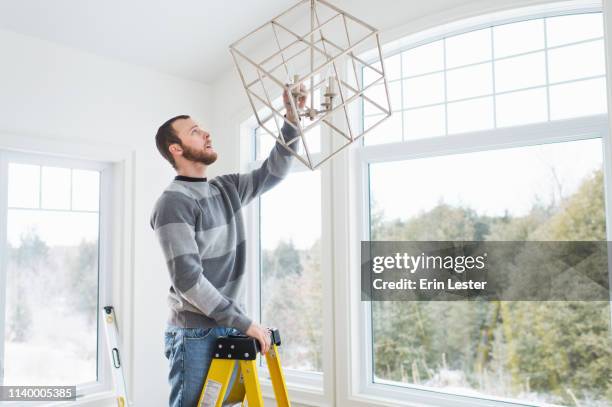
(51, 272)
(528, 350)
(505, 75)
(288, 219)
(290, 230)
(494, 136)
(507, 169)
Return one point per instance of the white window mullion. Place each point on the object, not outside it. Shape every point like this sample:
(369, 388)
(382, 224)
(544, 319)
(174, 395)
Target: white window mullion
(105, 283)
(253, 280)
(401, 79)
(3, 255)
(328, 342)
(492, 32)
(546, 71)
(445, 88)
(40, 183)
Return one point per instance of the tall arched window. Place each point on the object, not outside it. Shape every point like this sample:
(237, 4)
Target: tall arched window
(497, 134)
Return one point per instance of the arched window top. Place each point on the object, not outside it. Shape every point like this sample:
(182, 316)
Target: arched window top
(506, 72)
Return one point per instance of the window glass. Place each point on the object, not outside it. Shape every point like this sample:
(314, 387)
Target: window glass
(388, 131)
(475, 80)
(52, 277)
(424, 90)
(468, 48)
(563, 62)
(503, 349)
(528, 70)
(518, 38)
(576, 99)
(520, 72)
(424, 122)
(290, 253)
(393, 67)
(55, 188)
(470, 115)
(378, 95)
(573, 28)
(86, 190)
(424, 59)
(522, 107)
(24, 185)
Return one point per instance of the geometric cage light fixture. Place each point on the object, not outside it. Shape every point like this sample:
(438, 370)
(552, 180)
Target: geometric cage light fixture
(318, 46)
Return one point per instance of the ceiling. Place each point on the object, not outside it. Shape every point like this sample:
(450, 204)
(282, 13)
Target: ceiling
(187, 38)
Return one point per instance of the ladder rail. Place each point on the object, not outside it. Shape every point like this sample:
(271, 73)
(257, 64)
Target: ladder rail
(277, 377)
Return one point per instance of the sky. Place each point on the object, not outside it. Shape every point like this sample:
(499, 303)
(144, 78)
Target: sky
(490, 182)
(60, 204)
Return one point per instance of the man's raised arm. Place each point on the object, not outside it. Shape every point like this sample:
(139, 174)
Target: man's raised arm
(276, 167)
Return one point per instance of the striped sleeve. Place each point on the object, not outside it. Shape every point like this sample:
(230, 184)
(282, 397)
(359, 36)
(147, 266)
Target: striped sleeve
(276, 167)
(173, 220)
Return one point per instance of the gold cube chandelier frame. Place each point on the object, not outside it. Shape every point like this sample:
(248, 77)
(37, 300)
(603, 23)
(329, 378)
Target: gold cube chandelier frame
(297, 47)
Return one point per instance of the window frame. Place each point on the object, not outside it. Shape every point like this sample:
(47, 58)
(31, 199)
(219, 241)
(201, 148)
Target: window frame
(358, 388)
(545, 133)
(104, 384)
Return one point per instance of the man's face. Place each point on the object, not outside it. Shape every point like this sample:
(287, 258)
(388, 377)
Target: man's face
(197, 144)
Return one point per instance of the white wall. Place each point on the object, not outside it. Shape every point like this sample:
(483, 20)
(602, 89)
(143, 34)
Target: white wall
(56, 96)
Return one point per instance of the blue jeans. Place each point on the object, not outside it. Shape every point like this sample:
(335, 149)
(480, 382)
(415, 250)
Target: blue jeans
(189, 351)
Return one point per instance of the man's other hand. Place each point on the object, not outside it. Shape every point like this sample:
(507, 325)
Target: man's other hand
(262, 335)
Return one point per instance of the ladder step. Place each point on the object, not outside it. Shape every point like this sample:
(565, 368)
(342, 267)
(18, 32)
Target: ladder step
(241, 347)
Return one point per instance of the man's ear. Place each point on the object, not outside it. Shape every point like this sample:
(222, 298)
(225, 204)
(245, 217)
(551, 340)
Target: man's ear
(175, 148)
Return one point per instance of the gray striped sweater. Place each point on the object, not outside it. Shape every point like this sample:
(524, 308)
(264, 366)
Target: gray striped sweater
(200, 229)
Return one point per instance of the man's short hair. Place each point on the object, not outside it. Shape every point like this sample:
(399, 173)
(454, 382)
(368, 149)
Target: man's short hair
(166, 136)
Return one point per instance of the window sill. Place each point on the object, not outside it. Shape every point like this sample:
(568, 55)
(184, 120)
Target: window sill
(398, 396)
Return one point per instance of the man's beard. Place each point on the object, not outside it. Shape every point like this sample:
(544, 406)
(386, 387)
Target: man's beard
(199, 156)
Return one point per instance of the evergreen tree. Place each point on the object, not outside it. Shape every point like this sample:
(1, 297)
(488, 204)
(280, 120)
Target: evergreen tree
(26, 262)
(83, 272)
(287, 259)
(559, 349)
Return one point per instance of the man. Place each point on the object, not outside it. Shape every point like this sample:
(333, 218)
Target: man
(199, 226)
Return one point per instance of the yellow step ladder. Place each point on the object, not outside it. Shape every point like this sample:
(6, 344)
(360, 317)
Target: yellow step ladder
(246, 390)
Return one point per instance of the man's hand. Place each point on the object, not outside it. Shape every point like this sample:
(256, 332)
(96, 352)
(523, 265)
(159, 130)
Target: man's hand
(301, 101)
(262, 335)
